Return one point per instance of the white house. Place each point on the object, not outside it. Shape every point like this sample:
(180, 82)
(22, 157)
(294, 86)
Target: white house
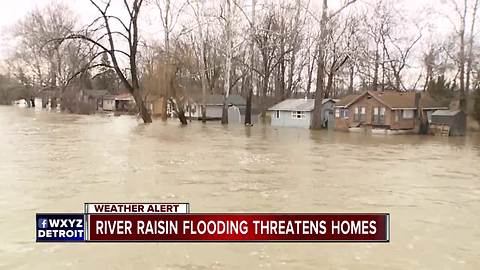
(298, 113)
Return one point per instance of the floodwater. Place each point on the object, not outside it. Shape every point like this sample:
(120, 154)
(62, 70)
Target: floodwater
(52, 162)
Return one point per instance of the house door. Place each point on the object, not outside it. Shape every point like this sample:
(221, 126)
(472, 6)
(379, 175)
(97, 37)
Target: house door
(331, 120)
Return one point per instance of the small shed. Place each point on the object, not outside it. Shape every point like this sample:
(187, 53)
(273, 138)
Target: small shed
(109, 103)
(449, 122)
(214, 106)
(124, 102)
(95, 97)
(236, 114)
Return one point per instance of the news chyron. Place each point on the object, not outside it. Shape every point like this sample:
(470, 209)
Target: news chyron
(173, 222)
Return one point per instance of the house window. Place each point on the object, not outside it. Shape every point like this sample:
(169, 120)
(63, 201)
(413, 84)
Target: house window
(363, 114)
(382, 114)
(407, 114)
(398, 115)
(277, 114)
(356, 115)
(341, 113)
(378, 116)
(298, 115)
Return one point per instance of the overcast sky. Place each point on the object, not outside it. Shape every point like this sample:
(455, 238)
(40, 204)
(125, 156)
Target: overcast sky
(14, 10)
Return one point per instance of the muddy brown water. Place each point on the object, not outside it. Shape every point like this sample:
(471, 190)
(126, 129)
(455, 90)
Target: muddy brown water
(51, 162)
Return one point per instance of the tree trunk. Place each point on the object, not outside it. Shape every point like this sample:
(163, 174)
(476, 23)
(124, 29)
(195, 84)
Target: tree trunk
(203, 67)
(311, 66)
(376, 69)
(329, 85)
(248, 111)
(316, 118)
(166, 29)
(350, 81)
(463, 100)
(470, 48)
(181, 117)
(228, 64)
(263, 97)
(142, 109)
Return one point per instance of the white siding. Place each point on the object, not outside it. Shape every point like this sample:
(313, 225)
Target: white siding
(38, 103)
(109, 105)
(285, 119)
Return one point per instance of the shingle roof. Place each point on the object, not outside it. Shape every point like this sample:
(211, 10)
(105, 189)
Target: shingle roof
(346, 100)
(300, 104)
(394, 100)
(297, 104)
(96, 93)
(446, 112)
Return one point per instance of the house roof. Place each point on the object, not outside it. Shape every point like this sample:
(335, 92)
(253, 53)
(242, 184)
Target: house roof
(124, 97)
(109, 97)
(96, 93)
(218, 100)
(346, 100)
(297, 104)
(446, 112)
(394, 100)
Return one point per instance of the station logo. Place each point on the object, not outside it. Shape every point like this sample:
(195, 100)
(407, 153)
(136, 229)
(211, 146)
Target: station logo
(60, 227)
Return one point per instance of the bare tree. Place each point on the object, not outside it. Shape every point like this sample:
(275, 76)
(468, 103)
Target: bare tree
(470, 54)
(169, 13)
(319, 94)
(397, 57)
(251, 78)
(46, 63)
(228, 58)
(199, 16)
(464, 59)
(129, 34)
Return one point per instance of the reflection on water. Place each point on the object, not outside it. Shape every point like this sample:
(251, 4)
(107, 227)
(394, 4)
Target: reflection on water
(53, 162)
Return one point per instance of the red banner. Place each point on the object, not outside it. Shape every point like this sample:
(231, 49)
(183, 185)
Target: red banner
(239, 227)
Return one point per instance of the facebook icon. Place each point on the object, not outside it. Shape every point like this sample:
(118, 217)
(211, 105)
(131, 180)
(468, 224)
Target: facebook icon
(42, 223)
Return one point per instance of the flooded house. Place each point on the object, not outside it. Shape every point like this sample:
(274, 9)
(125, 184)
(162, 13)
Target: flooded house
(47, 98)
(298, 113)
(385, 111)
(51, 98)
(213, 106)
(109, 103)
(94, 97)
(123, 102)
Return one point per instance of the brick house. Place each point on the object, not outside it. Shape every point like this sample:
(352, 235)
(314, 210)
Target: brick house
(387, 110)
